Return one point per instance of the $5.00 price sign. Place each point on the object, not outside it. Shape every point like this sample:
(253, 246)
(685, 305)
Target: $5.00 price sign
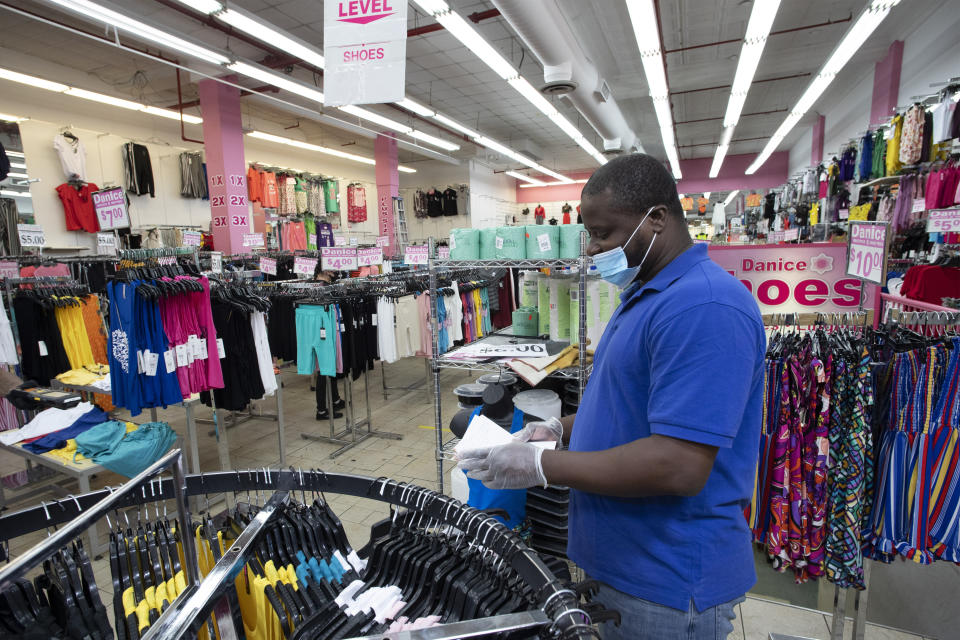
(31, 235)
(943, 220)
(338, 258)
(866, 251)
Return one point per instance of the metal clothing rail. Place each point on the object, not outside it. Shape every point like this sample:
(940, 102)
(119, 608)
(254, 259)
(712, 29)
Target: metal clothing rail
(18, 567)
(559, 604)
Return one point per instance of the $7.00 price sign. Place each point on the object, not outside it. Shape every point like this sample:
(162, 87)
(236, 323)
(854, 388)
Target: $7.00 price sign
(867, 251)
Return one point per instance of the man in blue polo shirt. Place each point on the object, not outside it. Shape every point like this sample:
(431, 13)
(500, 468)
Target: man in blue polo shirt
(663, 449)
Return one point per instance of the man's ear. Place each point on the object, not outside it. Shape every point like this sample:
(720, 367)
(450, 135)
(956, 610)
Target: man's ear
(659, 218)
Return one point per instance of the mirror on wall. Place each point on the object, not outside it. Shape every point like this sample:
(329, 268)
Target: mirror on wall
(15, 197)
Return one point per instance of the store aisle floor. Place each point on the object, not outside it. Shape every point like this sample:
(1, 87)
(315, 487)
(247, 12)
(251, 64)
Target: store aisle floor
(254, 445)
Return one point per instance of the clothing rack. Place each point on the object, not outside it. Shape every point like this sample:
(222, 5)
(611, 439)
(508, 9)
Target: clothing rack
(559, 612)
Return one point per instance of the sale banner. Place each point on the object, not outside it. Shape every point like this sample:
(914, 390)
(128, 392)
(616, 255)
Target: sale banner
(801, 278)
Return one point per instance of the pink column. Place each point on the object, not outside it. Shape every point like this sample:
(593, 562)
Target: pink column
(886, 84)
(816, 148)
(226, 168)
(388, 186)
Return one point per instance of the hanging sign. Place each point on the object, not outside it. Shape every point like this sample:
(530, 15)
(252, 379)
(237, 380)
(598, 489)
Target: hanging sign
(775, 236)
(919, 205)
(192, 238)
(31, 235)
(416, 254)
(365, 45)
(369, 256)
(443, 253)
(304, 266)
(338, 258)
(943, 221)
(268, 265)
(216, 261)
(802, 278)
(867, 251)
(106, 244)
(253, 240)
(111, 208)
(383, 241)
(339, 241)
(9, 270)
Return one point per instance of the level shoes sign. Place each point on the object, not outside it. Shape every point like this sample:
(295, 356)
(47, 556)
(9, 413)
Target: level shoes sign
(365, 43)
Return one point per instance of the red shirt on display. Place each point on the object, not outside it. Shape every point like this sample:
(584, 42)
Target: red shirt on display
(78, 207)
(929, 283)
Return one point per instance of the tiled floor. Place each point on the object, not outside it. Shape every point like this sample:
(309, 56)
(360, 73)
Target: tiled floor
(254, 444)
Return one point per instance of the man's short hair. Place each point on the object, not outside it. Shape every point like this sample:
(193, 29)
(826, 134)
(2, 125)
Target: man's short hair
(634, 183)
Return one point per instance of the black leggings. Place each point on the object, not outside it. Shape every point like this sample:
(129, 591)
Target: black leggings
(322, 392)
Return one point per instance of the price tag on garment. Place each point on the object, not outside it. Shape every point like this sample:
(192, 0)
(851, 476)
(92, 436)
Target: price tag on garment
(919, 205)
(312, 239)
(140, 367)
(221, 352)
(204, 354)
(169, 359)
(42, 346)
(843, 214)
(31, 235)
(453, 241)
(339, 241)
(268, 265)
(499, 242)
(543, 242)
(416, 254)
(338, 258)
(943, 221)
(866, 251)
(193, 347)
(150, 363)
(354, 242)
(369, 256)
(443, 253)
(253, 240)
(182, 358)
(192, 238)
(383, 241)
(373, 319)
(791, 234)
(323, 333)
(216, 261)
(304, 266)
(106, 244)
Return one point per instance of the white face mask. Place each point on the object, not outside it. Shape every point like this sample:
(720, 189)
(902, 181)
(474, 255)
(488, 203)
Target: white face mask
(612, 264)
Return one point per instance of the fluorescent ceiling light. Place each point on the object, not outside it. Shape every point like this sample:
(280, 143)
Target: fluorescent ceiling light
(17, 165)
(265, 32)
(376, 118)
(15, 194)
(526, 178)
(433, 7)
(758, 30)
(89, 9)
(730, 197)
(17, 175)
(453, 124)
(56, 87)
(554, 184)
(417, 108)
(6, 117)
(466, 34)
(264, 75)
(15, 154)
(203, 6)
(643, 16)
(290, 142)
(403, 169)
(435, 141)
(865, 24)
(536, 98)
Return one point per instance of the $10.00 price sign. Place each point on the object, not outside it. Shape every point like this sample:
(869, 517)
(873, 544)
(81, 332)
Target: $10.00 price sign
(338, 258)
(866, 251)
(943, 221)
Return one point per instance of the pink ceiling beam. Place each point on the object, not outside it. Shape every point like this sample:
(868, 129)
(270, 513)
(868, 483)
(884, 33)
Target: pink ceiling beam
(886, 84)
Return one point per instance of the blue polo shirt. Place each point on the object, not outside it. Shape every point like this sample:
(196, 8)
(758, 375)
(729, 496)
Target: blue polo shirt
(682, 357)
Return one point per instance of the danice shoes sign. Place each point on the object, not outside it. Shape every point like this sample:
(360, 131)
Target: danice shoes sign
(365, 42)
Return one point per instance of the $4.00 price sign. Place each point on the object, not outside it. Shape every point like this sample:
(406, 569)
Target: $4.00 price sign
(338, 258)
(866, 251)
(304, 266)
(369, 256)
(416, 254)
(943, 221)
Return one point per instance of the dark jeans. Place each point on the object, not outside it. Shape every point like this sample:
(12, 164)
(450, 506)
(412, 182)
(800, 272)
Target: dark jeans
(322, 392)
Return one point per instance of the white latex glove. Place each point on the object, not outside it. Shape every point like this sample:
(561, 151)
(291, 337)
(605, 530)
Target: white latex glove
(509, 466)
(549, 430)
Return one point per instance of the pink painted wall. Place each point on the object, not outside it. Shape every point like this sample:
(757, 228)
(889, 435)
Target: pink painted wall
(553, 194)
(696, 173)
(886, 84)
(388, 186)
(816, 148)
(226, 168)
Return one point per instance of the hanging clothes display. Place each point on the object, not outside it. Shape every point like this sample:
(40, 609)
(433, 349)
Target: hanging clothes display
(137, 170)
(434, 203)
(9, 235)
(193, 181)
(72, 154)
(331, 196)
(449, 203)
(78, 211)
(356, 203)
(911, 135)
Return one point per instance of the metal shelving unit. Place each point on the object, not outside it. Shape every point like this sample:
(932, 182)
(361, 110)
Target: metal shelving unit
(579, 372)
